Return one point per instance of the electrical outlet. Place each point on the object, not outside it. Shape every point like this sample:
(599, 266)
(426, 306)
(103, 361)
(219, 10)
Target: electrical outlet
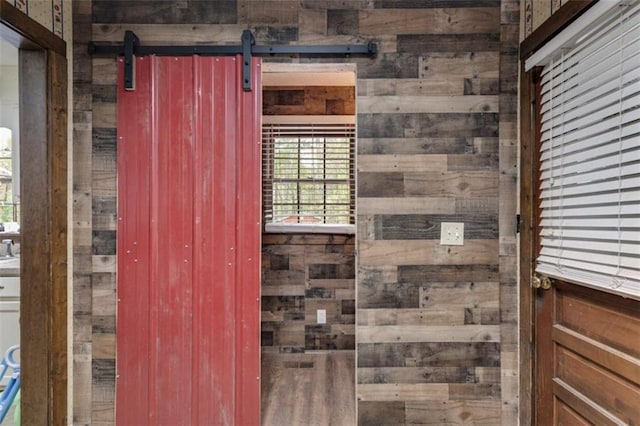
(322, 316)
(451, 234)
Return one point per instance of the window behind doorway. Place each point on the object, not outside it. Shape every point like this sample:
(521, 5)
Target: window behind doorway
(308, 173)
(308, 150)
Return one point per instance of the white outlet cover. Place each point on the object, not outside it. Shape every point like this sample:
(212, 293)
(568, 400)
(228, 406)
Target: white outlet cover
(322, 316)
(451, 234)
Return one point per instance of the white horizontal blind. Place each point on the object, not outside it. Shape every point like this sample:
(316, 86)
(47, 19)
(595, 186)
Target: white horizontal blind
(590, 157)
(308, 173)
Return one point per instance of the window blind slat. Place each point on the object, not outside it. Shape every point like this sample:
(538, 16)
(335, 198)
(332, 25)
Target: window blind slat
(604, 247)
(592, 199)
(608, 271)
(598, 187)
(574, 92)
(595, 102)
(608, 139)
(628, 118)
(589, 176)
(586, 150)
(593, 234)
(592, 162)
(592, 211)
(587, 223)
(614, 280)
(628, 261)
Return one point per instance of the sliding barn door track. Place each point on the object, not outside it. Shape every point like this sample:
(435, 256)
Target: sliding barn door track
(131, 47)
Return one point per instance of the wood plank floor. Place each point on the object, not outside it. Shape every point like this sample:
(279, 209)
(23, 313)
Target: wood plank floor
(310, 389)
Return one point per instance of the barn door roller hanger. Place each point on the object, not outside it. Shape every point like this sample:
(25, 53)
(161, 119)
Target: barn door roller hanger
(131, 47)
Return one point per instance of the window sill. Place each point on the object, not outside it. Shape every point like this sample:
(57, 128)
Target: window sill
(309, 228)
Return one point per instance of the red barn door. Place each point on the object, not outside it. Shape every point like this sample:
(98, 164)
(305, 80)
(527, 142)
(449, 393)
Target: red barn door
(188, 244)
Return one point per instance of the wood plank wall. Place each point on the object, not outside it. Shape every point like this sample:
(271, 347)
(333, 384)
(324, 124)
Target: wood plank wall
(507, 210)
(83, 397)
(436, 327)
(436, 336)
(301, 274)
(310, 100)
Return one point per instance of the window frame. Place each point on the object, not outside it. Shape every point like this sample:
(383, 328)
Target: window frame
(551, 248)
(327, 228)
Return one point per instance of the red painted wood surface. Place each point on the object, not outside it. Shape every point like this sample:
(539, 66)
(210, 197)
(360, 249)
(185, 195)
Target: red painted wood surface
(188, 244)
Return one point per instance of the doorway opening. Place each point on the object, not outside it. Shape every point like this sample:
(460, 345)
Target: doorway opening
(35, 200)
(9, 203)
(308, 244)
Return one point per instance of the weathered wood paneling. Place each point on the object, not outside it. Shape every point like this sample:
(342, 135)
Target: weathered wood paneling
(310, 100)
(82, 216)
(405, 146)
(436, 137)
(436, 129)
(274, 12)
(449, 43)
(415, 252)
(429, 21)
(507, 210)
(165, 12)
(416, 4)
(420, 227)
(429, 354)
(103, 274)
(438, 125)
(301, 274)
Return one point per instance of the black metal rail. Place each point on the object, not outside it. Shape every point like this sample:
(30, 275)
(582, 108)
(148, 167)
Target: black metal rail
(132, 47)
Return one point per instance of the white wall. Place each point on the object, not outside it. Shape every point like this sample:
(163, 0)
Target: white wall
(9, 103)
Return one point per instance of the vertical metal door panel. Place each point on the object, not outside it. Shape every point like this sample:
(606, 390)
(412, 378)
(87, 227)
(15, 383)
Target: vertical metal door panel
(215, 205)
(132, 334)
(249, 114)
(171, 238)
(202, 171)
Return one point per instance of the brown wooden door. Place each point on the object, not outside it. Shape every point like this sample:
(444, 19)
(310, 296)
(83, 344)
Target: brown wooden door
(587, 356)
(585, 343)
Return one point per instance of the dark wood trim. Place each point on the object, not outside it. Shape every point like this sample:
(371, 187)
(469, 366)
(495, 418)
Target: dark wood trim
(43, 269)
(529, 239)
(58, 187)
(531, 386)
(35, 291)
(567, 13)
(527, 247)
(543, 302)
(544, 357)
(29, 30)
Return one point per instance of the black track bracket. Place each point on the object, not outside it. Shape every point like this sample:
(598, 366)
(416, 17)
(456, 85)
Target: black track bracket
(131, 43)
(132, 48)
